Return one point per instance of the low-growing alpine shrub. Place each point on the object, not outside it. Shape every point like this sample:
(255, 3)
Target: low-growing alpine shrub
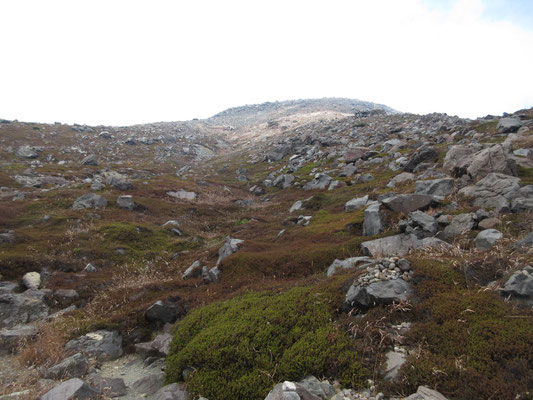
(238, 349)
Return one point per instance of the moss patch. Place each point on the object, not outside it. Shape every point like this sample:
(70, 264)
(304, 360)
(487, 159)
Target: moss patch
(472, 345)
(239, 348)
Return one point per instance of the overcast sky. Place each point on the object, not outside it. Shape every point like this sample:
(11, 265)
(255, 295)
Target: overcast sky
(120, 62)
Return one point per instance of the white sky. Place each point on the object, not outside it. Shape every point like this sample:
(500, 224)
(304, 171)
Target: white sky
(121, 62)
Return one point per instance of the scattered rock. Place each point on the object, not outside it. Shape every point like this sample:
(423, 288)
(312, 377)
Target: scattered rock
(394, 361)
(356, 203)
(26, 152)
(378, 293)
(149, 384)
(174, 391)
(399, 245)
(487, 238)
(494, 191)
(459, 225)
(22, 308)
(73, 389)
(72, 367)
(424, 154)
(66, 297)
(11, 338)
(126, 202)
(109, 387)
(290, 391)
(435, 187)
(283, 181)
(230, 246)
(406, 203)
(424, 393)
(421, 225)
(31, 280)
(166, 311)
(90, 200)
(321, 181)
(509, 125)
(194, 271)
(103, 345)
(520, 286)
(372, 223)
(183, 194)
(347, 263)
(89, 160)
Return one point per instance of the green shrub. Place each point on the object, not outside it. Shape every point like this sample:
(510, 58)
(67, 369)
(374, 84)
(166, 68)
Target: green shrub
(241, 347)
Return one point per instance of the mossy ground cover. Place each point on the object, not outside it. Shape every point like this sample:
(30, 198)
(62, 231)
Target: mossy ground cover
(238, 349)
(470, 344)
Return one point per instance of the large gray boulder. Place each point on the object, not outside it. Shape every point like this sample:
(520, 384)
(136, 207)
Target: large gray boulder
(435, 187)
(102, 345)
(356, 203)
(73, 389)
(321, 181)
(22, 308)
(230, 246)
(174, 391)
(347, 263)
(509, 125)
(71, 367)
(399, 245)
(405, 203)
(90, 200)
(487, 238)
(372, 220)
(378, 293)
(494, 191)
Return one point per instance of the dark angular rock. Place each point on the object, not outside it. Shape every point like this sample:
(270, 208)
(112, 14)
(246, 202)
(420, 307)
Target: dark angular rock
(72, 367)
(103, 345)
(406, 203)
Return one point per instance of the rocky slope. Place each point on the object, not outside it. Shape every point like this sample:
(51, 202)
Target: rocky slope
(324, 249)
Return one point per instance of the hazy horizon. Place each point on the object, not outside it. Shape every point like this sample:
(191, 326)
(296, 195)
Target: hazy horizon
(129, 62)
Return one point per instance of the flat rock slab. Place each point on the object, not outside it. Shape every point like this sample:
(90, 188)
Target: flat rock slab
(398, 245)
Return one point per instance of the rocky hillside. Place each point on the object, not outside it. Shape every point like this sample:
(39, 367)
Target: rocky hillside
(325, 249)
